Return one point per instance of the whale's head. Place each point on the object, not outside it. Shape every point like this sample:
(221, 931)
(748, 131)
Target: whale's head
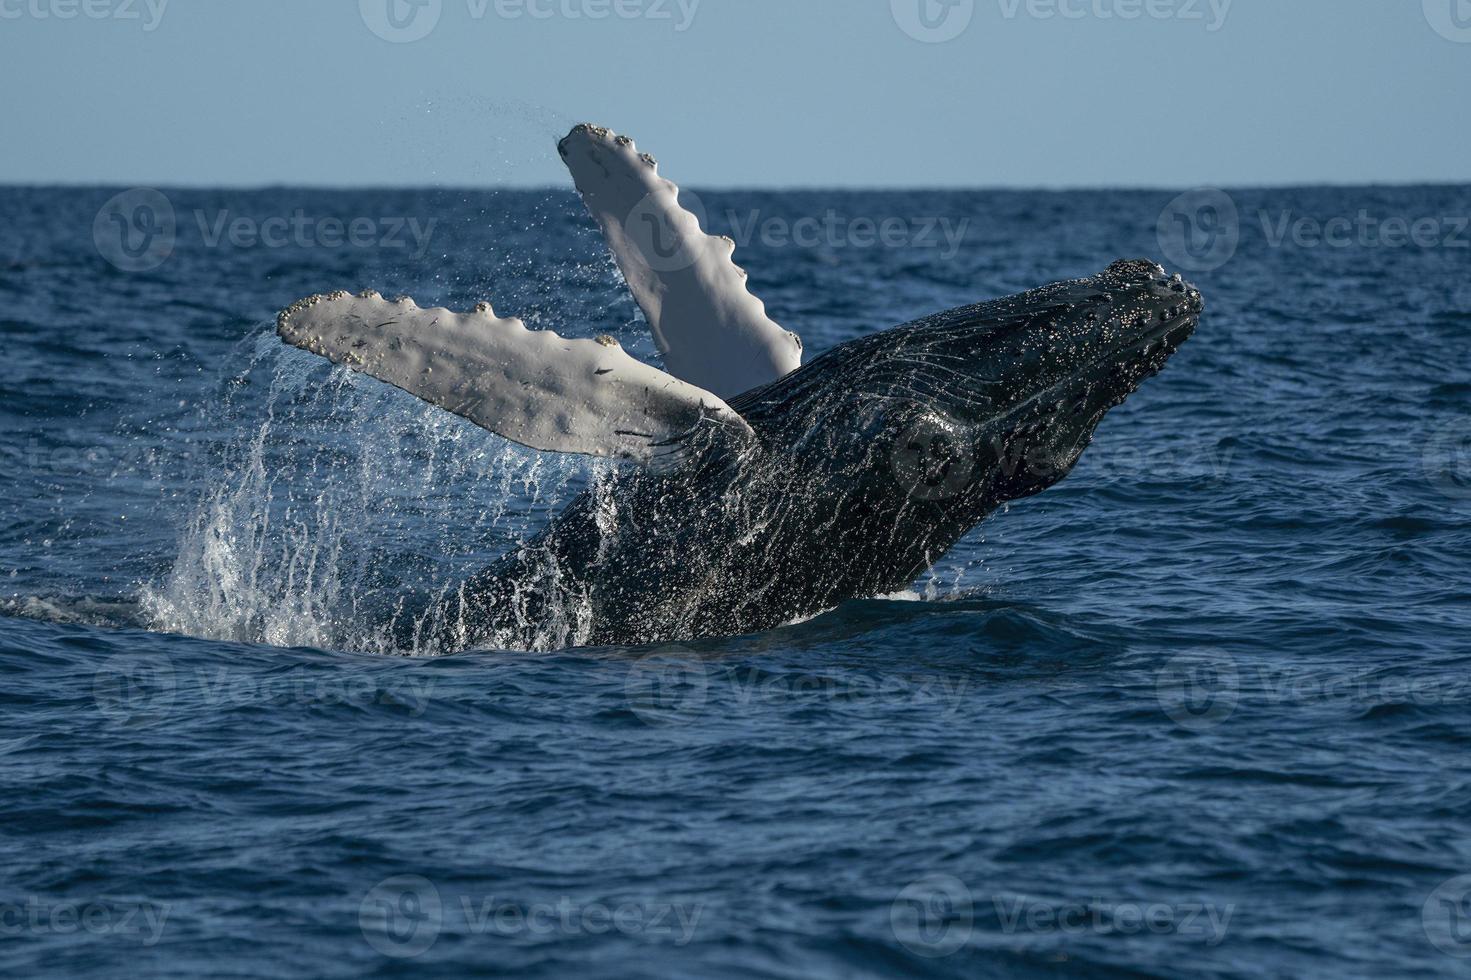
(934, 424)
(1004, 397)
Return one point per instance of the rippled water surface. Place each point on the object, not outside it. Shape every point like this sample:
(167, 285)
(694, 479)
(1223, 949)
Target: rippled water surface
(1201, 710)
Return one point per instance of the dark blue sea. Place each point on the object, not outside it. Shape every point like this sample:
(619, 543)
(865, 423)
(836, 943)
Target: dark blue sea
(1203, 709)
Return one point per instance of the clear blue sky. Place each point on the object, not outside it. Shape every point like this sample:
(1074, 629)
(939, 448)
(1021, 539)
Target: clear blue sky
(748, 93)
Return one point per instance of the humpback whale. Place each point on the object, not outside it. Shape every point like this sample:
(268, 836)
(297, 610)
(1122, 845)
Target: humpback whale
(759, 490)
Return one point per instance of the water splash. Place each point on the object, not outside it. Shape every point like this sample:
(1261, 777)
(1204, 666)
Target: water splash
(339, 513)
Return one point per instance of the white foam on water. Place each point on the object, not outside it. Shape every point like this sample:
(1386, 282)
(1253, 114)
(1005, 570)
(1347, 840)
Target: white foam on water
(903, 595)
(344, 500)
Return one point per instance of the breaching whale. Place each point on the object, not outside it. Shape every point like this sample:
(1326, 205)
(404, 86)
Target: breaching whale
(765, 491)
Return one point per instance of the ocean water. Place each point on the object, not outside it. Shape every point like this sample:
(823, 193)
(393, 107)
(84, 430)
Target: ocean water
(1203, 709)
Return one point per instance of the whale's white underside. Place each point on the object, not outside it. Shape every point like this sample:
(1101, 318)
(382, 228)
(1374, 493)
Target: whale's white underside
(579, 396)
(711, 331)
(531, 386)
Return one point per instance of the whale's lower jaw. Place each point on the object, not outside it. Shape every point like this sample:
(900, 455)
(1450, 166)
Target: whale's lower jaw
(816, 511)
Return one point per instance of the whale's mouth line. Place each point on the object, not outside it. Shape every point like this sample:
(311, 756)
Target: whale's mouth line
(1162, 337)
(1166, 336)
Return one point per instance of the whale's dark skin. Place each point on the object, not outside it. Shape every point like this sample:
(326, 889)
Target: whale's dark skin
(867, 465)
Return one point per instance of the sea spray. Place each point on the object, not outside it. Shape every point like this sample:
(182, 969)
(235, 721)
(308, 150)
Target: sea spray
(345, 515)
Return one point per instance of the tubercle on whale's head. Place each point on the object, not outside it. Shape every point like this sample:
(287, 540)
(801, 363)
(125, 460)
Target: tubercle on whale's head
(976, 406)
(1086, 347)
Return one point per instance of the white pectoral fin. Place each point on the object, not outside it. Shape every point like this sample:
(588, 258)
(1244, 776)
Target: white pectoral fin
(532, 387)
(712, 332)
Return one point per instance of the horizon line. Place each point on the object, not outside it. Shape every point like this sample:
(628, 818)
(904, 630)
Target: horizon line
(746, 188)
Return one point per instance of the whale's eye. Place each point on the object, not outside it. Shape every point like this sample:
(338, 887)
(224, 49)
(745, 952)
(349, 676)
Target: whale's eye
(930, 455)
